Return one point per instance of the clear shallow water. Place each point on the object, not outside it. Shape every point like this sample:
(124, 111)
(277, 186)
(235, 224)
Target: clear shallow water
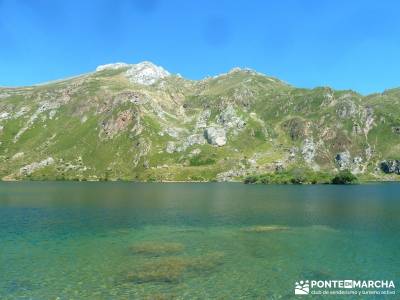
(192, 241)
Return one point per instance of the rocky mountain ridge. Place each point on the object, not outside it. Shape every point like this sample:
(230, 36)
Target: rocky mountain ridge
(139, 122)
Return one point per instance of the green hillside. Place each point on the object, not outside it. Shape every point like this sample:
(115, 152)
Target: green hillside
(138, 122)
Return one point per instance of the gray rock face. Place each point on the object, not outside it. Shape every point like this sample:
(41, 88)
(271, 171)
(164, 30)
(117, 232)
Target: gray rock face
(343, 160)
(308, 151)
(29, 169)
(230, 175)
(229, 119)
(279, 166)
(369, 119)
(390, 166)
(202, 119)
(356, 129)
(194, 139)
(396, 129)
(357, 165)
(215, 136)
(292, 153)
(17, 156)
(146, 73)
(171, 147)
(346, 109)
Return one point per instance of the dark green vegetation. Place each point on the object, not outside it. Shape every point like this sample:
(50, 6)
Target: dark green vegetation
(344, 177)
(302, 176)
(107, 126)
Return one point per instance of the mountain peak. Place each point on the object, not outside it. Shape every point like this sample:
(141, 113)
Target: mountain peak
(144, 72)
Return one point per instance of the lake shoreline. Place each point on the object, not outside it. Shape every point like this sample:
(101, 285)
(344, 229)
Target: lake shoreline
(360, 182)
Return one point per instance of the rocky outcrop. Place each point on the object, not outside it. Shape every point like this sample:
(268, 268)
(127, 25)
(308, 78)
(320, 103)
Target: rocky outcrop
(369, 119)
(357, 165)
(308, 151)
(202, 119)
(230, 175)
(396, 129)
(4, 115)
(194, 139)
(29, 169)
(17, 155)
(229, 119)
(390, 166)
(346, 109)
(191, 140)
(171, 147)
(113, 126)
(145, 73)
(43, 107)
(343, 160)
(215, 136)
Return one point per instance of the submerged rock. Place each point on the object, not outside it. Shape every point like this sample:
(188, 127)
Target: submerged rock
(265, 228)
(156, 248)
(171, 269)
(164, 270)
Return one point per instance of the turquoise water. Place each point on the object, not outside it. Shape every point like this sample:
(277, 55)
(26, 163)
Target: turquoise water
(192, 241)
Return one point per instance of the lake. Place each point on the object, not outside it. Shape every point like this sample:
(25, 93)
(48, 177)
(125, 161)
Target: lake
(114, 240)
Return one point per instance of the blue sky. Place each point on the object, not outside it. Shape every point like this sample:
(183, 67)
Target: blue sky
(344, 44)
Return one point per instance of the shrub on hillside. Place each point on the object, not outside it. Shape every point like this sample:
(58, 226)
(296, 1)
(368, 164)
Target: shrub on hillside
(344, 177)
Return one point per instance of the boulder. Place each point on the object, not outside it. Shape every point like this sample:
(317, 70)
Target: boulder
(390, 166)
(215, 136)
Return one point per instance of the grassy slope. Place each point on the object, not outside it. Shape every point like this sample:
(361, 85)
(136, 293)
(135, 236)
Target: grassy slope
(278, 117)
